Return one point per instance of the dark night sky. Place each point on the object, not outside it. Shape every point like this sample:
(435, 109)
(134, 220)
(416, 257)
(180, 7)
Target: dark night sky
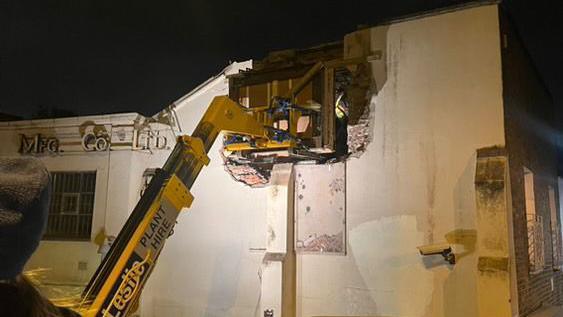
(98, 56)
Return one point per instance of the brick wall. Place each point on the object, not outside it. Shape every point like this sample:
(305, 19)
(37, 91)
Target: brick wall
(528, 112)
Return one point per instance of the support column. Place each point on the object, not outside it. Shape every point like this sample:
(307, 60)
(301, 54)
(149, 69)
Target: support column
(493, 275)
(279, 263)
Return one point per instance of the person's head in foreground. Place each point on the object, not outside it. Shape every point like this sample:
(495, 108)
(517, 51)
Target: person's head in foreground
(24, 204)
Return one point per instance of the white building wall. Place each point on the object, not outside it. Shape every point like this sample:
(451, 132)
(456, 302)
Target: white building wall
(62, 258)
(415, 183)
(207, 267)
(442, 100)
(118, 183)
(125, 183)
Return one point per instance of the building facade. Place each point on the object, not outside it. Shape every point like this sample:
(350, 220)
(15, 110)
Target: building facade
(459, 155)
(457, 124)
(99, 165)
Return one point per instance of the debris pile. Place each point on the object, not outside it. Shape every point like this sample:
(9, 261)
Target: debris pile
(324, 243)
(249, 174)
(359, 135)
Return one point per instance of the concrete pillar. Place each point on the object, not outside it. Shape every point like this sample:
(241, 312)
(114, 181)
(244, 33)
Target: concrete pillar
(278, 268)
(493, 275)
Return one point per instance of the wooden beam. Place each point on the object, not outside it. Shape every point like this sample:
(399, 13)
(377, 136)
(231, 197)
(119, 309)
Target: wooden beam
(289, 265)
(328, 123)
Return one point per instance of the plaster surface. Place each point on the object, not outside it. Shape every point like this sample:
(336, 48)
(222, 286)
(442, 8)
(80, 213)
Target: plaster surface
(441, 100)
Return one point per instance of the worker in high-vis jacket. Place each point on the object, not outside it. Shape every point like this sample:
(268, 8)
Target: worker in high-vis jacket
(24, 205)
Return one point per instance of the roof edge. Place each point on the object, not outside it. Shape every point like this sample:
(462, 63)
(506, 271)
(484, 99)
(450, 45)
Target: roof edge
(36, 122)
(224, 72)
(435, 11)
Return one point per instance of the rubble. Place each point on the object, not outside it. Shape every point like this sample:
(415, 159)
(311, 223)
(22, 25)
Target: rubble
(249, 174)
(359, 135)
(323, 243)
(337, 78)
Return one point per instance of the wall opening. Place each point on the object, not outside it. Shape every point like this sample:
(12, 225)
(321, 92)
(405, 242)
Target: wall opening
(72, 205)
(536, 253)
(314, 103)
(555, 230)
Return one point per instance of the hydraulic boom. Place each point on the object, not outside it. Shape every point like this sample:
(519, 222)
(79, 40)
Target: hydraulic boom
(115, 287)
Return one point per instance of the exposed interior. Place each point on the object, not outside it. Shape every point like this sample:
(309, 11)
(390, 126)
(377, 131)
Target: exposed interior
(309, 99)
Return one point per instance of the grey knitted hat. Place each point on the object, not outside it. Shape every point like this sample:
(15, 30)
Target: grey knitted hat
(24, 205)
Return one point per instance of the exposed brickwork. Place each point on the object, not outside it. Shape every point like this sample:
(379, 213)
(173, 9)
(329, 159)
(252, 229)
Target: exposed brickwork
(528, 111)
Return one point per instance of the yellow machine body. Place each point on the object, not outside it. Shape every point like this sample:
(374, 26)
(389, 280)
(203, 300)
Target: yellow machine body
(115, 288)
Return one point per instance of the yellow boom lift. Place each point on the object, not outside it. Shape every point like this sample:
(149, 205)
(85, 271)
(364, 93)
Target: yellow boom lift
(114, 289)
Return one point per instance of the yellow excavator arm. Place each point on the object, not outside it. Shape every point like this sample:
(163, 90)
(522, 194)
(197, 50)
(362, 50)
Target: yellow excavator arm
(115, 287)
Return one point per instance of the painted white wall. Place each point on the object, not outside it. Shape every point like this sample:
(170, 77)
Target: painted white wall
(61, 258)
(118, 182)
(125, 182)
(206, 267)
(442, 100)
